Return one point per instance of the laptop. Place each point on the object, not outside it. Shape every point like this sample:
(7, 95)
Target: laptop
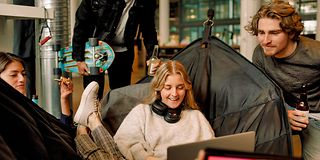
(236, 142)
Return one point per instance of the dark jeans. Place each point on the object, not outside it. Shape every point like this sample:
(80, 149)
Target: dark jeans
(99, 79)
(310, 140)
(120, 71)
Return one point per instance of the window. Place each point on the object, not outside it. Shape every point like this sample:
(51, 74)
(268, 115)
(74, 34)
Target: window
(226, 19)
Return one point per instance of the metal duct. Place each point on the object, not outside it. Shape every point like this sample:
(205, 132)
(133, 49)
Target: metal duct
(59, 27)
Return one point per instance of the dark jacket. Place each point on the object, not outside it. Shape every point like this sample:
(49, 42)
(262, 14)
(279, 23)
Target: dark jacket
(28, 132)
(100, 18)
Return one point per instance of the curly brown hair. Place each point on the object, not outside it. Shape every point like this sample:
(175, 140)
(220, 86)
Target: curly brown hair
(290, 20)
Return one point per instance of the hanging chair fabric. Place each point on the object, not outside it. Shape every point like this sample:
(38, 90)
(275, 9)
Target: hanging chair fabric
(29, 132)
(234, 95)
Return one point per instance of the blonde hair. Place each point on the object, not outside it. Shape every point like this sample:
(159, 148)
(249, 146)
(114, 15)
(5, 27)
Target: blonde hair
(290, 21)
(167, 68)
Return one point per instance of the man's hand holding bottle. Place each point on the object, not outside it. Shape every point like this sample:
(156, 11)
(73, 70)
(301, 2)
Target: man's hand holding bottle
(299, 117)
(154, 62)
(298, 120)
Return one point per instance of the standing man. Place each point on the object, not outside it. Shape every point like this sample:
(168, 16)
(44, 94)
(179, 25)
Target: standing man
(115, 22)
(291, 61)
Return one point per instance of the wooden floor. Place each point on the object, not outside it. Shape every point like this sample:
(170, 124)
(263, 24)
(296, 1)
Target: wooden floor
(297, 152)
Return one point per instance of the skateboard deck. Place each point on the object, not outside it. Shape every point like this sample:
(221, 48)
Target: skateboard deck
(104, 56)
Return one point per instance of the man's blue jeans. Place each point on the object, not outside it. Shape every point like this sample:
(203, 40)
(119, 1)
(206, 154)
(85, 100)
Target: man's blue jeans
(311, 140)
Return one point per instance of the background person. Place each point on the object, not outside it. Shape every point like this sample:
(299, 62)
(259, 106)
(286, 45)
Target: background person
(290, 60)
(28, 131)
(13, 72)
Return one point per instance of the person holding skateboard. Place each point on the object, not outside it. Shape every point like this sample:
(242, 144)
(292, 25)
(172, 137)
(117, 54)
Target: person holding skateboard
(115, 22)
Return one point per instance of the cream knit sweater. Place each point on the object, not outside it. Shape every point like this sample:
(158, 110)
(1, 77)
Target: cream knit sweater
(144, 133)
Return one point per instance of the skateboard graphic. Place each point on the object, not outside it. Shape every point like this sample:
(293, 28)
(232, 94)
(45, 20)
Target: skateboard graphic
(102, 58)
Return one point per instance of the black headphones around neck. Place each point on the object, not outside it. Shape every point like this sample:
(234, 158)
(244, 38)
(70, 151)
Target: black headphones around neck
(170, 115)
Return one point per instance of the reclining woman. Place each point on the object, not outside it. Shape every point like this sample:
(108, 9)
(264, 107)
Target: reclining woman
(29, 132)
(169, 117)
(12, 71)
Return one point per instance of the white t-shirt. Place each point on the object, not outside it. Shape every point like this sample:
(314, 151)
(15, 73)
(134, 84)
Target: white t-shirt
(119, 33)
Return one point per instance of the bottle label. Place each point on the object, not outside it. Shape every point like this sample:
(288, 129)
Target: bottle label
(306, 113)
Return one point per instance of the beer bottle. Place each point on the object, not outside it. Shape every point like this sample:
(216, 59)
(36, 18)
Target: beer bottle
(153, 61)
(302, 104)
